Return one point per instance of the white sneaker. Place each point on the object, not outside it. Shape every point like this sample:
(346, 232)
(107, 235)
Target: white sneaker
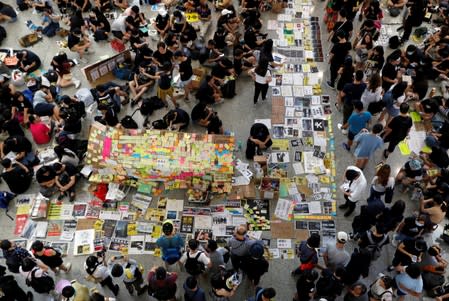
(68, 266)
(344, 131)
(77, 83)
(339, 125)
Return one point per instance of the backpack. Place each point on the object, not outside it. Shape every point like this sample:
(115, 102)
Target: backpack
(394, 42)
(149, 105)
(128, 122)
(373, 248)
(13, 263)
(193, 266)
(41, 285)
(52, 76)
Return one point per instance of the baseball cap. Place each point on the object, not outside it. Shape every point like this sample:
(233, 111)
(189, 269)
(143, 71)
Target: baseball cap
(225, 12)
(342, 237)
(163, 12)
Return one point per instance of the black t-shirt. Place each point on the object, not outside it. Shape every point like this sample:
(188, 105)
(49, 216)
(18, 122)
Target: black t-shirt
(13, 127)
(409, 246)
(400, 126)
(185, 68)
(21, 105)
(412, 173)
(23, 144)
(340, 51)
(304, 288)
(163, 58)
(45, 174)
(259, 131)
(31, 57)
(219, 72)
(72, 40)
(353, 92)
(250, 38)
(161, 22)
(205, 93)
(76, 22)
(199, 111)
(70, 169)
(165, 80)
(430, 106)
(389, 71)
(345, 26)
(8, 11)
(214, 125)
(410, 227)
(111, 117)
(17, 179)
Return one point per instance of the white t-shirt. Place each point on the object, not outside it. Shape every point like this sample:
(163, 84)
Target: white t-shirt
(369, 96)
(379, 187)
(262, 79)
(202, 258)
(27, 275)
(119, 24)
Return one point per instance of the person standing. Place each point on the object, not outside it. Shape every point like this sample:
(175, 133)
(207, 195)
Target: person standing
(170, 243)
(359, 120)
(308, 256)
(239, 245)
(262, 77)
(382, 184)
(337, 55)
(367, 144)
(351, 93)
(397, 129)
(335, 255)
(353, 188)
(192, 292)
(409, 283)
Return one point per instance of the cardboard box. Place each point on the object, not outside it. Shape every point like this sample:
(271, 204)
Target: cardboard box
(198, 75)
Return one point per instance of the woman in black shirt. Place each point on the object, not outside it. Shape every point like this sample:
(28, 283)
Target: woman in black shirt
(21, 107)
(186, 72)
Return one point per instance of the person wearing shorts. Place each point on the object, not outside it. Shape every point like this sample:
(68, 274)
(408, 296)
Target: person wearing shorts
(79, 43)
(358, 120)
(43, 103)
(186, 72)
(164, 88)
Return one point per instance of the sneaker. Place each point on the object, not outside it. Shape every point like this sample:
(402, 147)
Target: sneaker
(77, 83)
(72, 198)
(386, 154)
(339, 126)
(346, 146)
(330, 85)
(68, 267)
(83, 60)
(133, 103)
(390, 268)
(30, 296)
(344, 131)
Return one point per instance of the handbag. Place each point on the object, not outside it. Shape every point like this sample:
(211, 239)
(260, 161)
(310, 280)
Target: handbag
(117, 45)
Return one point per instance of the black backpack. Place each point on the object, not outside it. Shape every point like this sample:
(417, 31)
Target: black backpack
(13, 262)
(41, 285)
(394, 42)
(128, 122)
(3, 34)
(149, 105)
(193, 266)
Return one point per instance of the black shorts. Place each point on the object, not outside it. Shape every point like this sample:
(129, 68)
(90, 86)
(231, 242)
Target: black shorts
(351, 135)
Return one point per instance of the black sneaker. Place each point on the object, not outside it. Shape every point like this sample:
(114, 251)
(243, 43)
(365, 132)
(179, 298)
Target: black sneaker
(116, 290)
(30, 296)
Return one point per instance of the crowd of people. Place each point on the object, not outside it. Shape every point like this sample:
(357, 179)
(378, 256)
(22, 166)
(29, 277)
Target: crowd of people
(375, 94)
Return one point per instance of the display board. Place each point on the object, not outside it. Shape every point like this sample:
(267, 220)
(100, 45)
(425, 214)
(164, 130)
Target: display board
(169, 157)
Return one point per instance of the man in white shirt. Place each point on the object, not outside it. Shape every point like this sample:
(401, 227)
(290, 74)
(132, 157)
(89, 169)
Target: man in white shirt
(195, 261)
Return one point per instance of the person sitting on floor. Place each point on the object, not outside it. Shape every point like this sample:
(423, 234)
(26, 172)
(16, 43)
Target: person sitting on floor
(17, 176)
(66, 175)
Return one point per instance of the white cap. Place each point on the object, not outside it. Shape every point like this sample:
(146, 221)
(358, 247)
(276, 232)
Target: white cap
(163, 12)
(225, 12)
(323, 299)
(342, 237)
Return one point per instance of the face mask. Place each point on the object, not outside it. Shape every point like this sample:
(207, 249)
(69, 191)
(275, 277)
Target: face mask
(419, 224)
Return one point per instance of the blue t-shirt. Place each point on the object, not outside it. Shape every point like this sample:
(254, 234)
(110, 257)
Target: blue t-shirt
(412, 284)
(367, 144)
(165, 242)
(358, 121)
